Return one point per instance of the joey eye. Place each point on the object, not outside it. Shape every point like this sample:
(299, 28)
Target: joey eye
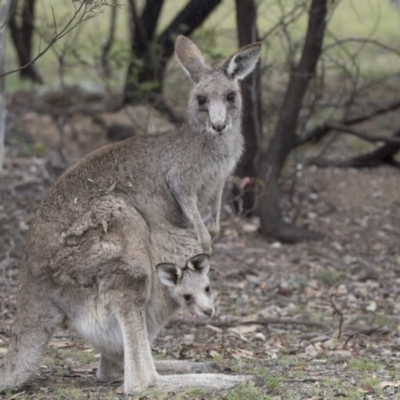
(187, 297)
(231, 97)
(201, 100)
(207, 289)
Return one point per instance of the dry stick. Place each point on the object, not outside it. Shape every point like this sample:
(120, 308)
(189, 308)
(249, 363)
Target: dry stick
(236, 321)
(337, 311)
(368, 331)
(16, 395)
(306, 380)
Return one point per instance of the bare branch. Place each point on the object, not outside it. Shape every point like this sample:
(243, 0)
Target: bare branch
(373, 139)
(383, 155)
(10, 11)
(364, 41)
(322, 130)
(54, 21)
(287, 19)
(70, 25)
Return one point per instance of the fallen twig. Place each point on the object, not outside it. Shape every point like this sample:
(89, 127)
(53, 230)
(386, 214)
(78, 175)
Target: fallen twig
(368, 331)
(229, 323)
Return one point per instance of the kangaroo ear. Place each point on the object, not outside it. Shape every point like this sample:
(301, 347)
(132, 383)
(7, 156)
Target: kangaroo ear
(242, 63)
(169, 273)
(190, 58)
(199, 263)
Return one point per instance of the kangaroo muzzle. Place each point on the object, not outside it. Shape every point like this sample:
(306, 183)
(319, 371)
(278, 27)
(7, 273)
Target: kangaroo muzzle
(217, 114)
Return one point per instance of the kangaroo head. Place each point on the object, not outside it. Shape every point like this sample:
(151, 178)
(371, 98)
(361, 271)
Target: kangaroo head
(215, 102)
(189, 286)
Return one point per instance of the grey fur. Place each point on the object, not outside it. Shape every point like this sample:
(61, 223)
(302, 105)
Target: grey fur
(95, 242)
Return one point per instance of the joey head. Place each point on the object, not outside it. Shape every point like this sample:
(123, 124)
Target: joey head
(190, 286)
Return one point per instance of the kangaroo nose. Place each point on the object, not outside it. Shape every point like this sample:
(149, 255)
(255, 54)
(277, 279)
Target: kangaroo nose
(209, 312)
(219, 127)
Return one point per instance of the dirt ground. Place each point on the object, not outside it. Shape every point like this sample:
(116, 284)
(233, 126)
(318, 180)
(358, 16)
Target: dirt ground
(317, 320)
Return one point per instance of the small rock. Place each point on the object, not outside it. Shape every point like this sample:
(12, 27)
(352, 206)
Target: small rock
(260, 336)
(371, 306)
(23, 226)
(276, 245)
(213, 353)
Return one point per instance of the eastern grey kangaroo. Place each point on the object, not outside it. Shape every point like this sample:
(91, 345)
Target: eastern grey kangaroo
(99, 234)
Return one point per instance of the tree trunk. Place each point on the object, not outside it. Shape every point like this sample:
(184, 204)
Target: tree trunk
(22, 38)
(272, 162)
(4, 16)
(106, 48)
(142, 81)
(246, 20)
(150, 55)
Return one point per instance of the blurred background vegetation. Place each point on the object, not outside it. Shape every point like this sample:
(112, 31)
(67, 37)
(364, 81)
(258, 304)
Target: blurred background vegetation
(217, 37)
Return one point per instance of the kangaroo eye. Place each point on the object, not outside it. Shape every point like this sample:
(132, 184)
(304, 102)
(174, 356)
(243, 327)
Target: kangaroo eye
(231, 97)
(187, 297)
(208, 289)
(201, 100)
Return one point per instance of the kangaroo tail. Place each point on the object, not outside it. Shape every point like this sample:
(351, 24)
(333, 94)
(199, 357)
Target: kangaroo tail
(34, 325)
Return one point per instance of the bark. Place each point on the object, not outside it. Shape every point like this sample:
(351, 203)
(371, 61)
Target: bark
(4, 17)
(246, 20)
(143, 71)
(22, 38)
(109, 41)
(285, 137)
(151, 54)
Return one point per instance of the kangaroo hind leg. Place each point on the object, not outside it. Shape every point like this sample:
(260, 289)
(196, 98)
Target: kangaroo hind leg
(132, 290)
(110, 369)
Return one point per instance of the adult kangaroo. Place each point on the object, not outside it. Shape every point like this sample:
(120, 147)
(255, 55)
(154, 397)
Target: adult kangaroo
(97, 237)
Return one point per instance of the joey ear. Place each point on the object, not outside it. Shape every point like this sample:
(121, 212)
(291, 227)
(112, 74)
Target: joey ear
(169, 273)
(190, 58)
(199, 263)
(242, 63)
